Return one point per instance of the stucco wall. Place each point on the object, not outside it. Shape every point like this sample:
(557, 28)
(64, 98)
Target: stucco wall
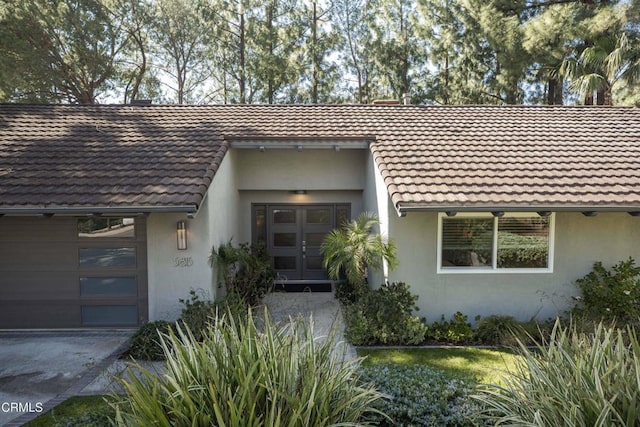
(308, 169)
(172, 272)
(377, 201)
(271, 176)
(579, 242)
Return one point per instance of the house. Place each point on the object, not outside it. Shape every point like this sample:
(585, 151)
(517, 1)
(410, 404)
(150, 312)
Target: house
(109, 213)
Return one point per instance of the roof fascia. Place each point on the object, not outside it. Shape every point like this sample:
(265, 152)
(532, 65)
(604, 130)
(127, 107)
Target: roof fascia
(403, 210)
(299, 143)
(190, 210)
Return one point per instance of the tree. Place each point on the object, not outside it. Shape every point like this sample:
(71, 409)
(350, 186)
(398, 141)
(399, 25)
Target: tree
(354, 247)
(400, 57)
(608, 58)
(273, 38)
(318, 75)
(458, 56)
(182, 38)
(354, 19)
(56, 51)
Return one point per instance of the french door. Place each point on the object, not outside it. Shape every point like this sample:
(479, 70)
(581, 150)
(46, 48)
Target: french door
(293, 235)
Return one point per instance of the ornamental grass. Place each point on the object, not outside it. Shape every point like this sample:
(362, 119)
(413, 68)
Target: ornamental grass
(576, 379)
(242, 374)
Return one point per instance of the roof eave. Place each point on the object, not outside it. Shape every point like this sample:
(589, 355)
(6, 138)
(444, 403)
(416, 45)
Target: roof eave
(403, 210)
(99, 210)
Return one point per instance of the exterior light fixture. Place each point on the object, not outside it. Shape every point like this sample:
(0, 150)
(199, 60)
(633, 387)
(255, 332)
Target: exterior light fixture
(497, 214)
(544, 213)
(451, 213)
(181, 234)
(634, 213)
(299, 191)
(590, 213)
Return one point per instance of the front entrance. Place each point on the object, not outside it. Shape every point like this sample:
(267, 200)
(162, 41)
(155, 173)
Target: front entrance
(293, 235)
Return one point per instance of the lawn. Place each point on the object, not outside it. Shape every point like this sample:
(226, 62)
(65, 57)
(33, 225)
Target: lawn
(486, 366)
(85, 411)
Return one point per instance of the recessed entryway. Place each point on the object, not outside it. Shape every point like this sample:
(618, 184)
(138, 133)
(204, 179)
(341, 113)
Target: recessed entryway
(293, 235)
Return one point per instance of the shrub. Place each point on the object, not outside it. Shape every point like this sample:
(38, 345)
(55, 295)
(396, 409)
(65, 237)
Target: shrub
(420, 396)
(242, 374)
(145, 343)
(499, 330)
(577, 379)
(610, 294)
(348, 293)
(244, 270)
(455, 331)
(384, 316)
(197, 312)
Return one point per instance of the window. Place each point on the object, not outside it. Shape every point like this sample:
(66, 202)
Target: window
(518, 242)
(106, 227)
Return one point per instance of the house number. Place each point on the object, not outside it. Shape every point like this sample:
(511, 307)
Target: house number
(183, 262)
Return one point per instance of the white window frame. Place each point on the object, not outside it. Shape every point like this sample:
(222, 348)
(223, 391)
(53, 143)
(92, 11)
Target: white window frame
(493, 269)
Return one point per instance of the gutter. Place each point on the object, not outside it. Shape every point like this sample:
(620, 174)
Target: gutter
(190, 210)
(403, 210)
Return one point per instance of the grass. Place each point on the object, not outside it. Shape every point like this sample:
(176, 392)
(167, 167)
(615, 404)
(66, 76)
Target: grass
(486, 366)
(86, 411)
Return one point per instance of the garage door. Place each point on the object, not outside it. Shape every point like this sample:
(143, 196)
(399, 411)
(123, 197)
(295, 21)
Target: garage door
(65, 272)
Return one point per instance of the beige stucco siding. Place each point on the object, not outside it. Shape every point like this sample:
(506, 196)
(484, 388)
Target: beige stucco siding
(172, 272)
(308, 169)
(579, 242)
(377, 201)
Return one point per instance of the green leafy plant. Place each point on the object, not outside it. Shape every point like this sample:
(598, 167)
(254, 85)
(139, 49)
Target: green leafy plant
(456, 331)
(384, 316)
(499, 330)
(354, 247)
(244, 270)
(145, 343)
(245, 375)
(197, 312)
(348, 293)
(610, 294)
(421, 396)
(575, 379)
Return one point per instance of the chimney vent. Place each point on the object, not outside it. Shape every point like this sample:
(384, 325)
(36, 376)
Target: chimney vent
(406, 98)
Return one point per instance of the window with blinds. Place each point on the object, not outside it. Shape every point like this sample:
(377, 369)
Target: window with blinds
(474, 242)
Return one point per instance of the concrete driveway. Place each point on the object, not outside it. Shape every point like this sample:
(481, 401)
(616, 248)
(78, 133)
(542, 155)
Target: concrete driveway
(40, 369)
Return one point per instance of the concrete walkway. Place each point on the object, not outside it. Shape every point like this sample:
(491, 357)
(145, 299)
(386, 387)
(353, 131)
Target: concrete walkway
(322, 307)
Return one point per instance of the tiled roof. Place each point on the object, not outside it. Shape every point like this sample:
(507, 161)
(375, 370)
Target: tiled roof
(434, 157)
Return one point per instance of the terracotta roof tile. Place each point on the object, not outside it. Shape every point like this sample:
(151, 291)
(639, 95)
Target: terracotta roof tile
(430, 157)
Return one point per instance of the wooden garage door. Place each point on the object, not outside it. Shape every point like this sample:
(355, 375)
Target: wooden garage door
(65, 272)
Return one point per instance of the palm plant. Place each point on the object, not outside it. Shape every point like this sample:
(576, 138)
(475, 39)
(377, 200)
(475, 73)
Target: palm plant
(354, 247)
(599, 67)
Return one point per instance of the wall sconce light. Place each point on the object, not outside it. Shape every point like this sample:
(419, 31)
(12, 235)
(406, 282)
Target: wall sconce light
(298, 192)
(181, 234)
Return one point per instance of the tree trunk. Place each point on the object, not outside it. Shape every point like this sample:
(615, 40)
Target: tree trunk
(314, 55)
(554, 92)
(242, 83)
